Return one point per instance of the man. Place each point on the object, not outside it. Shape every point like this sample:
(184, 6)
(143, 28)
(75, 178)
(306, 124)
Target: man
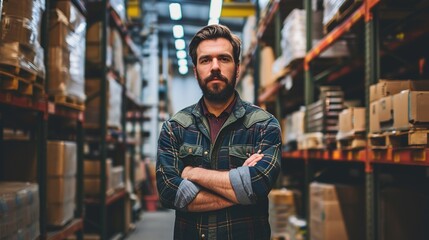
(218, 159)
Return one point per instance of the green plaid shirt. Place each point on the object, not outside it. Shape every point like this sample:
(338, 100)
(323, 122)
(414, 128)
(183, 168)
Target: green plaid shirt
(185, 140)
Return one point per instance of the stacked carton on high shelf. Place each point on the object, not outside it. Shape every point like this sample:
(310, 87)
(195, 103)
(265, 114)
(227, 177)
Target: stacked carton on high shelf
(21, 64)
(398, 110)
(66, 69)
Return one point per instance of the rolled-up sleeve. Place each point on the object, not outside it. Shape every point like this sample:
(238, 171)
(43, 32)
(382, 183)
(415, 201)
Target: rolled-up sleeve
(253, 183)
(185, 194)
(168, 167)
(242, 185)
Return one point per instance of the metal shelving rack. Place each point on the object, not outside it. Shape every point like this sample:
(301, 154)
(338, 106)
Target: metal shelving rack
(43, 109)
(370, 164)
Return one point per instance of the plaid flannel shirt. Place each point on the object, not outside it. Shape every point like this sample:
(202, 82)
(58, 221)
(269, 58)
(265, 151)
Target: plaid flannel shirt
(185, 140)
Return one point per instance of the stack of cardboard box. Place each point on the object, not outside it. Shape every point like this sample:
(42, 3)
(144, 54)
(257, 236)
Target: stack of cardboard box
(336, 212)
(281, 207)
(67, 31)
(399, 105)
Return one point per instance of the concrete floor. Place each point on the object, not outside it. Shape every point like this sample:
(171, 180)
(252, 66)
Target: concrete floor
(156, 225)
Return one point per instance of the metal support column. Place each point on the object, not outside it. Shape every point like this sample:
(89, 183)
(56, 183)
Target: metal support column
(278, 52)
(309, 84)
(41, 136)
(257, 58)
(103, 123)
(309, 98)
(372, 73)
(79, 176)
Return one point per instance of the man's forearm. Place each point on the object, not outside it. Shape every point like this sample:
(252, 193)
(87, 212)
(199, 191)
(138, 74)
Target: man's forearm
(207, 201)
(216, 181)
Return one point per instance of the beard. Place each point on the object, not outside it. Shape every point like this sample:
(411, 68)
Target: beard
(217, 93)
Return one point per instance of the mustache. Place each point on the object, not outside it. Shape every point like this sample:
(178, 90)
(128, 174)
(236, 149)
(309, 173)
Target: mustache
(216, 75)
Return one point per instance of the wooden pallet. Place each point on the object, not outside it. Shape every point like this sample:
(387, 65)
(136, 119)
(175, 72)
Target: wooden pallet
(355, 141)
(409, 138)
(345, 10)
(10, 82)
(400, 139)
(68, 101)
(20, 72)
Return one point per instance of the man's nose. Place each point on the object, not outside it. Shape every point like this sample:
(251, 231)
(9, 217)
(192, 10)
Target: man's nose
(215, 64)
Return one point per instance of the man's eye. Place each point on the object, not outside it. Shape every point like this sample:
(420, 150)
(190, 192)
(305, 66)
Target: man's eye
(204, 60)
(225, 59)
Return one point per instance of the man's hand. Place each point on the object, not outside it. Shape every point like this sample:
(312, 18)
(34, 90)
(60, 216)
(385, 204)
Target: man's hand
(252, 160)
(186, 172)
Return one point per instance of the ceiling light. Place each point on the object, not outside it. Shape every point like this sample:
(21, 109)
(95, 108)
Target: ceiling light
(213, 21)
(215, 10)
(175, 11)
(180, 44)
(178, 31)
(181, 54)
(183, 70)
(182, 62)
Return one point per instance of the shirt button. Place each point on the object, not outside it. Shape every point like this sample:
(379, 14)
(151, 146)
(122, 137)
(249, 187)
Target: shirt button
(206, 152)
(203, 236)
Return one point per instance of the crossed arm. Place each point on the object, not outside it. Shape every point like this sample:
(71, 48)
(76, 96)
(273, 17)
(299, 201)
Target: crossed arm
(217, 192)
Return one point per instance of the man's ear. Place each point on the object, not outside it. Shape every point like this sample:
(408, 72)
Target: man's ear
(195, 72)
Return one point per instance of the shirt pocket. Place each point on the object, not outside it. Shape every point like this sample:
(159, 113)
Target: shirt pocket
(191, 155)
(238, 154)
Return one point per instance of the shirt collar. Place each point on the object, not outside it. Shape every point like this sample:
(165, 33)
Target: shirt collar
(227, 111)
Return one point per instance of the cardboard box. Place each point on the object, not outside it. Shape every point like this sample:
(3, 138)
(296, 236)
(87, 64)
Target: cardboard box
(386, 88)
(385, 114)
(92, 168)
(61, 158)
(351, 121)
(61, 189)
(59, 214)
(75, 18)
(114, 103)
(374, 120)
(411, 109)
(337, 211)
(267, 60)
(29, 9)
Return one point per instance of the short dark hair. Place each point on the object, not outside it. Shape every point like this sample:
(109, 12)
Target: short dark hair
(215, 31)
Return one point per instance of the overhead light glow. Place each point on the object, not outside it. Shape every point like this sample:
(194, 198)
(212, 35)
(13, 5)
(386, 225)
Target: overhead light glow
(181, 54)
(178, 31)
(182, 62)
(180, 44)
(215, 8)
(183, 70)
(175, 11)
(213, 21)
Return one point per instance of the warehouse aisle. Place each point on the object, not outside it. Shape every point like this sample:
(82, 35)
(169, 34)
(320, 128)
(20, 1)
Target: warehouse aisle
(154, 226)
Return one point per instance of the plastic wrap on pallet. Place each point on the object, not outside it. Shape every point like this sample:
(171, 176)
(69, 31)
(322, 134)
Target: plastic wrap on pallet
(94, 45)
(20, 30)
(67, 53)
(331, 8)
(114, 102)
(118, 52)
(134, 79)
(120, 9)
(19, 210)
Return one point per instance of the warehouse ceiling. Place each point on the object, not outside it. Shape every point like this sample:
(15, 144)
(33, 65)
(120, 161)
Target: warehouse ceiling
(195, 15)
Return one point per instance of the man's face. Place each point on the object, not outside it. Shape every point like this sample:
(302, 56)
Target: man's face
(216, 70)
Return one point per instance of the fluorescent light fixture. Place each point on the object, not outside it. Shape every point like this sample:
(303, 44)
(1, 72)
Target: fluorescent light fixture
(180, 44)
(183, 62)
(178, 31)
(213, 21)
(175, 11)
(181, 54)
(183, 70)
(215, 8)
